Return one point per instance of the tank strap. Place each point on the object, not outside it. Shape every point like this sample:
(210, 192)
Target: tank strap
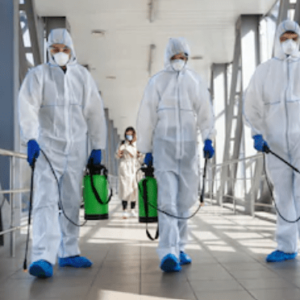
(145, 198)
(96, 192)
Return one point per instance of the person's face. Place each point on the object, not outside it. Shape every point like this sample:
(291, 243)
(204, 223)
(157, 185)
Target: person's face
(289, 35)
(179, 56)
(129, 132)
(56, 48)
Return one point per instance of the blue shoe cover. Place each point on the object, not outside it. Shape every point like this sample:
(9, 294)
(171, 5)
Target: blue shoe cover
(184, 258)
(75, 262)
(170, 264)
(41, 269)
(278, 256)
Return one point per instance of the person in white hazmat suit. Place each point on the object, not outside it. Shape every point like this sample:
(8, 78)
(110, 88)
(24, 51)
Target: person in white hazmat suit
(59, 105)
(272, 109)
(176, 103)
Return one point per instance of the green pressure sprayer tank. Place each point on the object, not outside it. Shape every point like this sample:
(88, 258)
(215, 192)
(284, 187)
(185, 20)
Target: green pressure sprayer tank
(96, 192)
(148, 197)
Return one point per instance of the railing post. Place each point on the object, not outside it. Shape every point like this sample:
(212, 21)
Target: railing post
(12, 208)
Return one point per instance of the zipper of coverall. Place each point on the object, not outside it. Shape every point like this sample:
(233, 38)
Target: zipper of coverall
(179, 117)
(286, 109)
(67, 113)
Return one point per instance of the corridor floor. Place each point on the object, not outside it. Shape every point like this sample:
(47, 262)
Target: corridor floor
(228, 253)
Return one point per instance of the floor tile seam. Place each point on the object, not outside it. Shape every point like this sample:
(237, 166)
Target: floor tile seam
(96, 227)
(230, 241)
(96, 275)
(191, 287)
(257, 261)
(238, 282)
(203, 245)
(265, 265)
(249, 293)
(244, 226)
(235, 277)
(286, 280)
(269, 289)
(15, 272)
(280, 277)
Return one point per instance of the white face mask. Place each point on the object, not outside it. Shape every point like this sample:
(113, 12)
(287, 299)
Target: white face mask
(129, 137)
(178, 64)
(61, 58)
(289, 46)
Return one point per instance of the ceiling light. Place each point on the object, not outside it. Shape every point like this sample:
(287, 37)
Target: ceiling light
(197, 57)
(98, 33)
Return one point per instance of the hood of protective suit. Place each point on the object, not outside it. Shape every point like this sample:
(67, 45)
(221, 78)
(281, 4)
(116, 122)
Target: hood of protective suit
(175, 46)
(283, 27)
(61, 36)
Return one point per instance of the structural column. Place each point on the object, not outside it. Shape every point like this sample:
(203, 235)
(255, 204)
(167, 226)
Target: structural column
(250, 59)
(9, 83)
(219, 96)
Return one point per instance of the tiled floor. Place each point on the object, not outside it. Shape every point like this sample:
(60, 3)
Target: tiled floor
(228, 254)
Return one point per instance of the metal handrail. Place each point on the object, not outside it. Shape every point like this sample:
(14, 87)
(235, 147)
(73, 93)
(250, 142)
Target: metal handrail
(214, 180)
(12, 230)
(4, 152)
(19, 191)
(230, 162)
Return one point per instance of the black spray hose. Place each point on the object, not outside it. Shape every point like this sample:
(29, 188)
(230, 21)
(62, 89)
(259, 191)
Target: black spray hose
(201, 198)
(267, 150)
(59, 193)
(29, 215)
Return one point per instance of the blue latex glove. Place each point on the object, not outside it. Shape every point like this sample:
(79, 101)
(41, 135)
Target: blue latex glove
(33, 151)
(208, 149)
(148, 159)
(96, 156)
(259, 143)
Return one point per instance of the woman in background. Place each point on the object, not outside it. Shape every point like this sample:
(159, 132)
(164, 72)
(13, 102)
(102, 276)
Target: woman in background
(128, 165)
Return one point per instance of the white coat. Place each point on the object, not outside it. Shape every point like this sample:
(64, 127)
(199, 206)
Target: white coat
(174, 106)
(272, 109)
(59, 110)
(128, 167)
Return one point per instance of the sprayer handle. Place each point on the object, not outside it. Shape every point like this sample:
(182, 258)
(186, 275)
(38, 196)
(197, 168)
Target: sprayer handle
(33, 164)
(266, 149)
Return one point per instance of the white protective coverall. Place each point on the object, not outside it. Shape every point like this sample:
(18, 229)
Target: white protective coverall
(58, 110)
(128, 166)
(272, 108)
(175, 104)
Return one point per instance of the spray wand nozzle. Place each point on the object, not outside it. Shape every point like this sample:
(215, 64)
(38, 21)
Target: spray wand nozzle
(267, 150)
